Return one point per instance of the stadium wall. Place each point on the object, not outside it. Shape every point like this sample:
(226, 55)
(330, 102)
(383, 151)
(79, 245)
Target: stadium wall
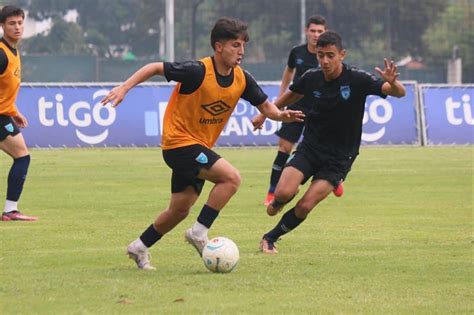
(70, 115)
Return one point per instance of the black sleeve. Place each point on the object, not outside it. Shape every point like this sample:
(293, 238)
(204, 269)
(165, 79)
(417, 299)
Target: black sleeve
(189, 73)
(291, 59)
(253, 92)
(370, 84)
(299, 84)
(3, 61)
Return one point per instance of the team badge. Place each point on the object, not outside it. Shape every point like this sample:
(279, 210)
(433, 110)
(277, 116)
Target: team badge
(202, 158)
(345, 91)
(299, 61)
(316, 94)
(9, 127)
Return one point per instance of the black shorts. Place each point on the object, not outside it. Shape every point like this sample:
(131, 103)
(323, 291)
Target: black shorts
(186, 163)
(7, 127)
(321, 166)
(291, 131)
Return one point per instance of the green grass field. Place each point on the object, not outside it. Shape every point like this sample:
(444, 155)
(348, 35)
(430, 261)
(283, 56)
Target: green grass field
(399, 241)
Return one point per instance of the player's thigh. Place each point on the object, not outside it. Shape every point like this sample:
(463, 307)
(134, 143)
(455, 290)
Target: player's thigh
(285, 145)
(317, 191)
(14, 146)
(290, 180)
(221, 171)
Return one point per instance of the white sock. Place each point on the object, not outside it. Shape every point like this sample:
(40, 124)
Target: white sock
(138, 244)
(10, 206)
(199, 230)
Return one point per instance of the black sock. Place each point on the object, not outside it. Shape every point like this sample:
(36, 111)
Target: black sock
(150, 236)
(16, 177)
(207, 216)
(288, 222)
(277, 168)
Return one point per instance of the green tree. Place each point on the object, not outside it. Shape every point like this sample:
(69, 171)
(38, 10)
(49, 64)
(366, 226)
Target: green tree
(455, 28)
(106, 23)
(63, 39)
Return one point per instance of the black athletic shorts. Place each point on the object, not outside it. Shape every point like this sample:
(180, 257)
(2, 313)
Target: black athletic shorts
(321, 165)
(186, 163)
(7, 127)
(291, 131)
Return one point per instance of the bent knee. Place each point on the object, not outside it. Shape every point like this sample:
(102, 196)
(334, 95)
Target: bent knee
(304, 207)
(284, 194)
(180, 213)
(233, 178)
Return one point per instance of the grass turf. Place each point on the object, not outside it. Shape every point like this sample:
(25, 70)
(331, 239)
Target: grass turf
(399, 241)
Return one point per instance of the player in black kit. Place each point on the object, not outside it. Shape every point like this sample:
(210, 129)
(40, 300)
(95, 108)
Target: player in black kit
(301, 58)
(335, 97)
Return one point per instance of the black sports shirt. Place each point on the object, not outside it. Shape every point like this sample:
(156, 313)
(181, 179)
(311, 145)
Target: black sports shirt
(335, 109)
(301, 60)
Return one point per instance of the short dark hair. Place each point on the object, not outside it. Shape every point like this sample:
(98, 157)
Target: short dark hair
(316, 19)
(330, 38)
(10, 10)
(228, 28)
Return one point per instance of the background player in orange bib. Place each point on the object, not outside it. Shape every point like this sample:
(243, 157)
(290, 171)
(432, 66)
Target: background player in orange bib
(11, 139)
(203, 100)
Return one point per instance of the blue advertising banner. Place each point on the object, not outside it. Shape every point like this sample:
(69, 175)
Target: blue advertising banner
(448, 114)
(72, 116)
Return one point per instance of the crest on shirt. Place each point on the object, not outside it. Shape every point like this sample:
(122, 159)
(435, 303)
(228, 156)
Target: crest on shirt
(9, 127)
(317, 94)
(345, 91)
(299, 61)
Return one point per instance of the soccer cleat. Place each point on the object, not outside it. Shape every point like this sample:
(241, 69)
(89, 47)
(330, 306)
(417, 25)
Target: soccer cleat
(339, 190)
(141, 257)
(268, 199)
(16, 215)
(198, 243)
(267, 246)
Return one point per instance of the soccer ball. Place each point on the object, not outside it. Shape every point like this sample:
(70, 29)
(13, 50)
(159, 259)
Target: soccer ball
(220, 255)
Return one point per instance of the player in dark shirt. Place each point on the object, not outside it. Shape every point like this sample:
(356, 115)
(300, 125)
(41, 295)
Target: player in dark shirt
(335, 95)
(301, 58)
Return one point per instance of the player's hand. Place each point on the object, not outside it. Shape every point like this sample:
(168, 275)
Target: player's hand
(257, 121)
(115, 96)
(20, 120)
(389, 73)
(292, 116)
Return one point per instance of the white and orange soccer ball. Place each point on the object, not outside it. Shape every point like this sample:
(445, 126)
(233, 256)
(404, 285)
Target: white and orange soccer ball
(220, 255)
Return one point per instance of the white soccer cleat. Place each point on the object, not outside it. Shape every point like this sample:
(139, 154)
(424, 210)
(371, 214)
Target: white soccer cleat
(198, 243)
(141, 257)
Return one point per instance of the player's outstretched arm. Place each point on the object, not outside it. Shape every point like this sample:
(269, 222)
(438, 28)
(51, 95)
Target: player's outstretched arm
(390, 75)
(273, 112)
(117, 94)
(287, 98)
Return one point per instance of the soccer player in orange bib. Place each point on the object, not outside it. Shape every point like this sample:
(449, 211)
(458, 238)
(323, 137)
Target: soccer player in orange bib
(11, 139)
(202, 102)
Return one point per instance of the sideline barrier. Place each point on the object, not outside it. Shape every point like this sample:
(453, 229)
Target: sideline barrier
(70, 115)
(447, 113)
